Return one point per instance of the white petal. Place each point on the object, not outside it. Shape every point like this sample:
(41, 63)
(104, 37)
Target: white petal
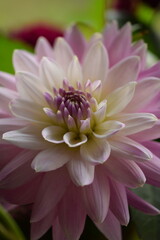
(120, 98)
(51, 159)
(51, 75)
(122, 73)
(129, 149)
(24, 61)
(95, 151)
(43, 48)
(7, 80)
(28, 137)
(136, 122)
(95, 64)
(72, 139)
(81, 172)
(74, 72)
(145, 91)
(63, 53)
(29, 87)
(29, 111)
(100, 114)
(97, 196)
(6, 95)
(53, 134)
(107, 128)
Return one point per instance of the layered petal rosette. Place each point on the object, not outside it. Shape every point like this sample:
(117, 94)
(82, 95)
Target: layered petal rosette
(78, 122)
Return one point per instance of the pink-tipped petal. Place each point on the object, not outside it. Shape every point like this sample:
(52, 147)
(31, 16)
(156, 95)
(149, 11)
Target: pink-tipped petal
(110, 227)
(43, 48)
(97, 197)
(141, 204)
(8, 80)
(72, 214)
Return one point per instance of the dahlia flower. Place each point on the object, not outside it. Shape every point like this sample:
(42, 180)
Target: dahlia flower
(78, 122)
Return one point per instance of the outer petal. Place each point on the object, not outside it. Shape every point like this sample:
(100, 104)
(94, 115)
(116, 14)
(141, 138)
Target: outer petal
(95, 63)
(63, 53)
(97, 197)
(43, 48)
(76, 41)
(136, 122)
(24, 61)
(147, 87)
(141, 204)
(7, 80)
(51, 159)
(118, 202)
(81, 172)
(72, 213)
(49, 194)
(110, 227)
(110, 33)
(57, 231)
(122, 73)
(95, 151)
(120, 98)
(129, 149)
(126, 172)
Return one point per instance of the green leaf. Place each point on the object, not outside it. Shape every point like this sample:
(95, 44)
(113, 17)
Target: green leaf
(7, 46)
(147, 226)
(8, 228)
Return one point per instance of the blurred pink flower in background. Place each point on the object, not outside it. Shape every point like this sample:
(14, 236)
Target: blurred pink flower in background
(77, 124)
(31, 33)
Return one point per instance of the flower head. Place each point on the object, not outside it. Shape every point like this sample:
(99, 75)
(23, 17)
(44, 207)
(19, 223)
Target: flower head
(79, 119)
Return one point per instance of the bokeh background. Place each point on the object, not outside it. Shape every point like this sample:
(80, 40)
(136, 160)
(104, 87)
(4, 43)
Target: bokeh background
(22, 22)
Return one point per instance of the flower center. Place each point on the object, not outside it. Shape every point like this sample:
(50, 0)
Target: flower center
(68, 104)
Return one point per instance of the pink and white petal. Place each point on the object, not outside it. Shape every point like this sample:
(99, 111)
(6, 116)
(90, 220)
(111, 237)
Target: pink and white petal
(19, 176)
(49, 195)
(74, 74)
(81, 172)
(140, 49)
(147, 87)
(97, 196)
(29, 87)
(54, 134)
(57, 231)
(51, 74)
(43, 49)
(151, 170)
(28, 137)
(122, 73)
(95, 68)
(117, 51)
(109, 34)
(8, 80)
(136, 122)
(76, 41)
(18, 161)
(72, 213)
(63, 53)
(141, 204)
(74, 140)
(95, 151)
(108, 128)
(51, 158)
(120, 98)
(25, 194)
(8, 124)
(149, 134)
(24, 61)
(118, 202)
(149, 72)
(5, 157)
(129, 149)
(110, 227)
(6, 95)
(153, 146)
(28, 110)
(100, 114)
(38, 229)
(125, 172)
